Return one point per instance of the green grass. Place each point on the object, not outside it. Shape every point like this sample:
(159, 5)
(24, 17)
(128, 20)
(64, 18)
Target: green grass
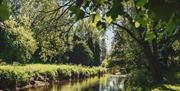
(16, 75)
(166, 87)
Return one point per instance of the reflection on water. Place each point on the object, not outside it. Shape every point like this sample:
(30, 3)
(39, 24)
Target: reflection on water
(105, 83)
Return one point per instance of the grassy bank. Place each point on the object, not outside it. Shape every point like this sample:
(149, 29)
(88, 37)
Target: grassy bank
(19, 76)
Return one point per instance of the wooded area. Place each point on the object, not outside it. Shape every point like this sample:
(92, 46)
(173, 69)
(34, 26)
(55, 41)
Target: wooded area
(146, 40)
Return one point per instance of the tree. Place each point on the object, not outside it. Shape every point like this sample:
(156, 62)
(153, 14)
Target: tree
(103, 49)
(17, 42)
(50, 31)
(145, 21)
(86, 33)
(126, 53)
(81, 54)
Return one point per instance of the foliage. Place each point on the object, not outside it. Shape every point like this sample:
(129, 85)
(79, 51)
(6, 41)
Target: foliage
(81, 54)
(139, 80)
(176, 49)
(105, 63)
(103, 49)
(89, 37)
(145, 22)
(164, 87)
(49, 29)
(51, 46)
(4, 10)
(144, 82)
(125, 52)
(23, 75)
(18, 43)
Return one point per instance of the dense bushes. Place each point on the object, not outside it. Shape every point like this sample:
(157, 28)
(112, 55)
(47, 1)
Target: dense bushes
(23, 75)
(141, 80)
(126, 53)
(17, 42)
(81, 54)
(138, 80)
(50, 45)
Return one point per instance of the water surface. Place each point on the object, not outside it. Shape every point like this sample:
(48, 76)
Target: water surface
(104, 83)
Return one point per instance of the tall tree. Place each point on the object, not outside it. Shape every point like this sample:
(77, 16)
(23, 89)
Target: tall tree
(103, 49)
(145, 21)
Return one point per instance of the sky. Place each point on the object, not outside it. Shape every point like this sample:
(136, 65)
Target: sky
(109, 38)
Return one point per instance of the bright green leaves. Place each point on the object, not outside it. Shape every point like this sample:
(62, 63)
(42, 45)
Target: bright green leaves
(19, 40)
(109, 19)
(4, 10)
(137, 25)
(97, 17)
(96, 21)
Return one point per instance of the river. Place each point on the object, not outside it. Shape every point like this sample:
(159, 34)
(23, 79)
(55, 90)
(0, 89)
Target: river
(103, 83)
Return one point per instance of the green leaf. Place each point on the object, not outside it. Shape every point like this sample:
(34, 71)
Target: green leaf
(109, 19)
(150, 36)
(4, 10)
(137, 24)
(142, 18)
(95, 18)
(75, 10)
(171, 26)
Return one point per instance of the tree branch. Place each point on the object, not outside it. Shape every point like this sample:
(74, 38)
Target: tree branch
(128, 31)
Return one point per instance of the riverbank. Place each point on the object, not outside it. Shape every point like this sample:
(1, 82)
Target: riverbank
(16, 77)
(140, 80)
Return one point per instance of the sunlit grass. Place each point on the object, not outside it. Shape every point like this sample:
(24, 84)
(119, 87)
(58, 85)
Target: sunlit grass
(22, 75)
(167, 87)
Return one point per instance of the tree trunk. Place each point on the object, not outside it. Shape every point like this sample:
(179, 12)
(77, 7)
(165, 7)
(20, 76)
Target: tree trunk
(153, 62)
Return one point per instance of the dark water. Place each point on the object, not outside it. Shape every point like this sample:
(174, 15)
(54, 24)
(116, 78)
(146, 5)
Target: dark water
(104, 83)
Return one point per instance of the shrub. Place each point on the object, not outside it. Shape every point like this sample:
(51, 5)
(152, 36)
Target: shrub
(11, 76)
(81, 54)
(51, 46)
(138, 80)
(18, 42)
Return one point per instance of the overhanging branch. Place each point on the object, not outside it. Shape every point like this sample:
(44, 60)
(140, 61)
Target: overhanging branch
(128, 31)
